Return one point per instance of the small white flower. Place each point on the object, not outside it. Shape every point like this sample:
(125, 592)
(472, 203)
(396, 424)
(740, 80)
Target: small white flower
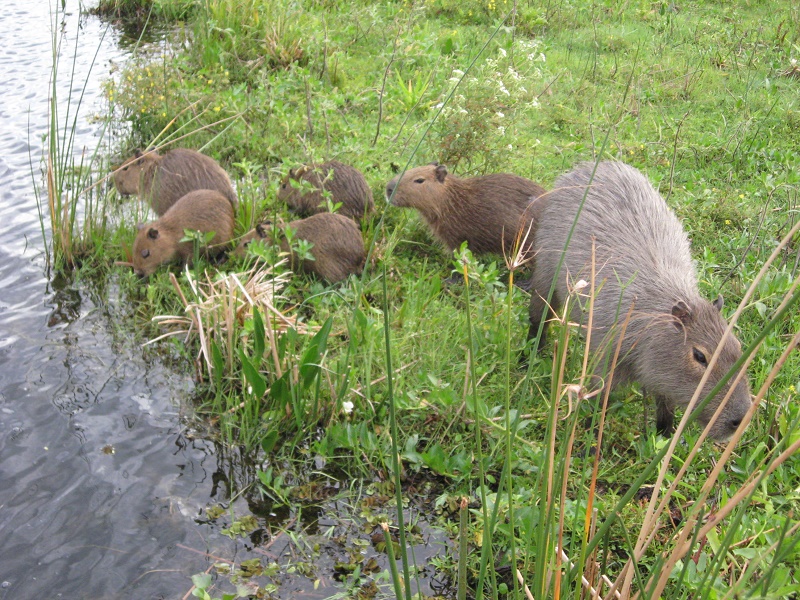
(347, 407)
(580, 285)
(510, 147)
(500, 115)
(502, 52)
(502, 130)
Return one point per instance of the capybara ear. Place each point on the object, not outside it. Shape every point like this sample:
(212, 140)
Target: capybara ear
(153, 233)
(261, 231)
(299, 172)
(433, 164)
(682, 313)
(139, 226)
(441, 173)
(138, 153)
(719, 303)
(145, 253)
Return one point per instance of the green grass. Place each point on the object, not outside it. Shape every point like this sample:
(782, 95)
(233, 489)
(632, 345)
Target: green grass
(702, 97)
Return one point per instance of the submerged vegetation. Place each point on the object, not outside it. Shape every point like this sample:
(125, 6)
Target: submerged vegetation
(402, 376)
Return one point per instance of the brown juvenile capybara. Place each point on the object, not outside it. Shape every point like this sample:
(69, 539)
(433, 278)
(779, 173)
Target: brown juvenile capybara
(338, 248)
(163, 180)
(642, 260)
(346, 184)
(159, 242)
(487, 212)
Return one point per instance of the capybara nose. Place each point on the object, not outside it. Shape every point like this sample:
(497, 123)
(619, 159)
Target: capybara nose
(389, 191)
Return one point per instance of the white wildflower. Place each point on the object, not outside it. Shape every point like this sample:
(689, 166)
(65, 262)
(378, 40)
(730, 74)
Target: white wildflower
(580, 285)
(499, 114)
(347, 407)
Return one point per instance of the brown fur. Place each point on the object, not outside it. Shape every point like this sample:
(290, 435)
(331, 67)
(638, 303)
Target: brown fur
(346, 185)
(159, 242)
(487, 212)
(338, 249)
(163, 180)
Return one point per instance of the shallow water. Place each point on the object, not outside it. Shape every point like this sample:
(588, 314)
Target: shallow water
(98, 483)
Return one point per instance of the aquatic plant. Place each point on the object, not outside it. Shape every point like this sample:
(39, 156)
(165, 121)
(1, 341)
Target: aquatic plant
(72, 201)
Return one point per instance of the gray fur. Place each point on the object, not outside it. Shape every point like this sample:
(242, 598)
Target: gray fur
(642, 258)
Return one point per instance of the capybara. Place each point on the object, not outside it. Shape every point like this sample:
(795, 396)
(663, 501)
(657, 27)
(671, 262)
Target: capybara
(338, 248)
(487, 212)
(163, 180)
(160, 241)
(346, 185)
(642, 260)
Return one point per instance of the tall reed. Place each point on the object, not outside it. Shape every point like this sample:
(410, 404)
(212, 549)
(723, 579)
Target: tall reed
(73, 206)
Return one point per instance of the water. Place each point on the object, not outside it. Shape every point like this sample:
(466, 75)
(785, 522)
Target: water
(103, 494)
(99, 485)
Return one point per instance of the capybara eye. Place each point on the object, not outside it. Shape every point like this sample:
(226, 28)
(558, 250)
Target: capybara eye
(419, 180)
(145, 253)
(699, 357)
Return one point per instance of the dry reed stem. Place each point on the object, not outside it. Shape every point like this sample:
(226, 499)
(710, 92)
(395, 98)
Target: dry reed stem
(771, 549)
(684, 543)
(222, 304)
(521, 581)
(584, 582)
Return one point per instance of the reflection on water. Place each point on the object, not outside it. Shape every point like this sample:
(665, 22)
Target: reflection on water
(99, 486)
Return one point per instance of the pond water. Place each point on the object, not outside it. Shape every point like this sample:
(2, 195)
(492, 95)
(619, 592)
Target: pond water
(99, 485)
(102, 490)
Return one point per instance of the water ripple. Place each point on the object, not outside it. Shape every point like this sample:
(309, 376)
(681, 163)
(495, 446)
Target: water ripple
(98, 486)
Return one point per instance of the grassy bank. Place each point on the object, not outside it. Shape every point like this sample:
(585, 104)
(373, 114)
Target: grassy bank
(399, 365)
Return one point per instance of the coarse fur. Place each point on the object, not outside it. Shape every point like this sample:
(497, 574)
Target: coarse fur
(642, 260)
(345, 184)
(487, 212)
(338, 248)
(163, 180)
(159, 242)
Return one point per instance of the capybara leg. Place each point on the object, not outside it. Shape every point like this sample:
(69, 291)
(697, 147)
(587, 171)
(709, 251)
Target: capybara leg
(665, 417)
